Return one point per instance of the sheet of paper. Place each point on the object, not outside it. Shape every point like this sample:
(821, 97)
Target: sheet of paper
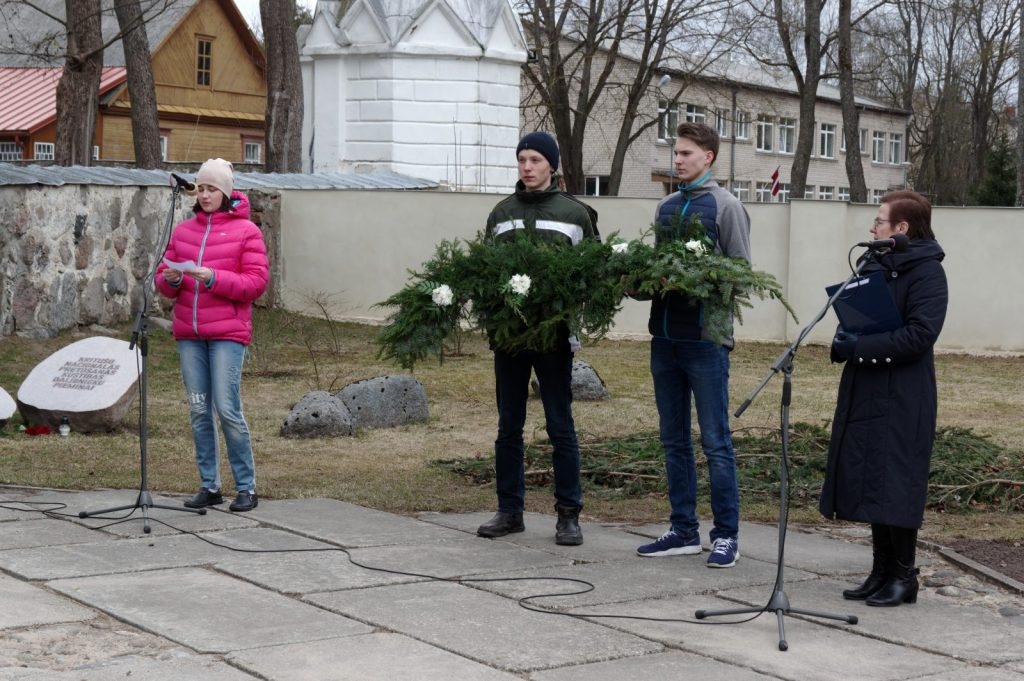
(186, 266)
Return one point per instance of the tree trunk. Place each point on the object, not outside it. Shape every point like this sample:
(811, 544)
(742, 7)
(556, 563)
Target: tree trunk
(79, 86)
(851, 117)
(141, 89)
(1020, 112)
(284, 87)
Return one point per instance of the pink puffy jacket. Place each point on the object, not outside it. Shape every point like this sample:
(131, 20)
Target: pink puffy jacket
(232, 246)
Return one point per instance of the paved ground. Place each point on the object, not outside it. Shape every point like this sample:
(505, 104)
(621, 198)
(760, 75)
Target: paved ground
(271, 595)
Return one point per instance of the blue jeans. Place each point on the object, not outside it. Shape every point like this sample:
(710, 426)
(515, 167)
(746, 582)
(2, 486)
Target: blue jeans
(680, 368)
(212, 373)
(512, 386)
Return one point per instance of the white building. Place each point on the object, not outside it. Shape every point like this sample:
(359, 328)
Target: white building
(427, 88)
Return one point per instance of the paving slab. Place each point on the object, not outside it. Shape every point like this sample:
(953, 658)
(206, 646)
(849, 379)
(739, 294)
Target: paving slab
(178, 604)
(484, 627)
(975, 674)
(40, 531)
(347, 524)
(11, 509)
(370, 657)
(934, 623)
(175, 667)
(671, 665)
(27, 605)
(822, 652)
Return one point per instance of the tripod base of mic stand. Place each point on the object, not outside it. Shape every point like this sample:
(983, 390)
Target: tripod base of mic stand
(143, 502)
(779, 604)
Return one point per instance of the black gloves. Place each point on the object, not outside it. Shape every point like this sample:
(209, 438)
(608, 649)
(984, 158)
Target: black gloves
(844, 345)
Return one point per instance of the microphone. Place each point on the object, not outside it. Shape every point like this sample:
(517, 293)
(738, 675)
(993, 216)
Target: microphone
(895, 243)
(182, 183)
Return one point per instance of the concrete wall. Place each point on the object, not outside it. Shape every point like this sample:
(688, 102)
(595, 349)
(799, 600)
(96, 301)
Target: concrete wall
(352, 249)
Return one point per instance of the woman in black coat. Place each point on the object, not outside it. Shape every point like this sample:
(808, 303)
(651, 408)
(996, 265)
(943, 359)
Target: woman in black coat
(884, 423)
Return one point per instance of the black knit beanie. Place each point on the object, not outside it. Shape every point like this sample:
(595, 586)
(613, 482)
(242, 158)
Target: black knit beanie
(544, 144)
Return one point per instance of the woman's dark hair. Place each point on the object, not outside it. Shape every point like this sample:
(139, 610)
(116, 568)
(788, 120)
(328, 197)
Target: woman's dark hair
(225, 204)
(913, 209)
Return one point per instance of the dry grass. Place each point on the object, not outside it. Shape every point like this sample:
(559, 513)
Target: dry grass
(388, 469)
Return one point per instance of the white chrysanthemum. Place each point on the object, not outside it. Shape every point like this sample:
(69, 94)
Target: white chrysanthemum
(520, 283)
(620, 247)
(442, 295)
(695, 246)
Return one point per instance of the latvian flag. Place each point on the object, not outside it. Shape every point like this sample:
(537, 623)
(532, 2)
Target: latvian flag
(775, 181)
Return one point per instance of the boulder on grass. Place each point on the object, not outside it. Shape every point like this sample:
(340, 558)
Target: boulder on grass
(92, 382)
(318, 414)
(7, 407)
(385, 401)
(586, 384)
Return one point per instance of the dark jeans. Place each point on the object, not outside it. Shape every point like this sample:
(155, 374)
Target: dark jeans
(680, 368)
(512, 384)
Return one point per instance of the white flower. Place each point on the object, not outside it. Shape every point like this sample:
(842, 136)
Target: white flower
(620, 247)
(442, 295)
(520, 283)
(695, 246)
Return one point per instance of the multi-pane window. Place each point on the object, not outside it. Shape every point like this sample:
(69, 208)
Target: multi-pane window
(668, 121)
(597, 185)
(825, 193)
(10, 151)
(844, 194)
(765, 127)
(876, 195)
(827, 140)
(783, 195)
(722, 123)
(204, 57)
(695, 114)
(253, 152)
(878, 147)
(787, 135)
(764, 192)
(863, 141)
(43, 151)
(895, 148)
(741, 190)
(809, 191)
(741, 126)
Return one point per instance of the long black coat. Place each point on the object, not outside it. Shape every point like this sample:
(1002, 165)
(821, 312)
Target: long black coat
(884, 424)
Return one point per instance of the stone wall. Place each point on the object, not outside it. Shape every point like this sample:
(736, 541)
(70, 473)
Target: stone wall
(77, 255)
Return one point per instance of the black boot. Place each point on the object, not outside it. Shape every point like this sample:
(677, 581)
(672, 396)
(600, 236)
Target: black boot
(901, 586)
(567, 529)
(881, 550)
(501, 524)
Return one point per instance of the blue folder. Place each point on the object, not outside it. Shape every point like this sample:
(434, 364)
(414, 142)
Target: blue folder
(866, 306)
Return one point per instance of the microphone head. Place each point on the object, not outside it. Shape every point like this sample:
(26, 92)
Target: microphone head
(900, 242)
(185, 186)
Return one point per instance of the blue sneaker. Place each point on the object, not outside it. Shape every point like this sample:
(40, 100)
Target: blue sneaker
(671, 544)
(724, 553)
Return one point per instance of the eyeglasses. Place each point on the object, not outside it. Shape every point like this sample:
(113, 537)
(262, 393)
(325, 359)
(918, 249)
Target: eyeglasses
(879, 221)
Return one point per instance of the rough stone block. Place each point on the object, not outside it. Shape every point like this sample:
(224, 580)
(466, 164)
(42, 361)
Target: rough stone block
(318, 414)
(385, 401)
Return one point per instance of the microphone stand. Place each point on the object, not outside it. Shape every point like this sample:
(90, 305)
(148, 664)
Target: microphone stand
(140, 337)
(779, 602)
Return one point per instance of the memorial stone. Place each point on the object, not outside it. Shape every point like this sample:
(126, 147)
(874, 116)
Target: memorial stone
(7, 407)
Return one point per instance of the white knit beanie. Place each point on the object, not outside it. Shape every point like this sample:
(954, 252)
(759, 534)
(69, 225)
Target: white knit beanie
(218, 173)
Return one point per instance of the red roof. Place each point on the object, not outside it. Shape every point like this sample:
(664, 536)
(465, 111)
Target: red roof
(29, 99)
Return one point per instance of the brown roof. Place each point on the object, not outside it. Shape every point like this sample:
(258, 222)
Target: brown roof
(29, 99)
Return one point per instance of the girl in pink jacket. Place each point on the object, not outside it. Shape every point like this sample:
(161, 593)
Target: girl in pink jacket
(214, 268)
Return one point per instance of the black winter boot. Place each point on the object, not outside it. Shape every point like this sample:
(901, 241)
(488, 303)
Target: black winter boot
(901, 586)
(881, 549)
(567, 529)
(501, 524)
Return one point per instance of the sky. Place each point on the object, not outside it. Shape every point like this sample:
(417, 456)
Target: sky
(250, 9)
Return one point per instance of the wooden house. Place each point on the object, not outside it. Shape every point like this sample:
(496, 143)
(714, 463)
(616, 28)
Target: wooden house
(209, 71)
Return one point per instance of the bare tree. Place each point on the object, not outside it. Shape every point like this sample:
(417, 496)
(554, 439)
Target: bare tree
(79, 86)
(851, 116)
(586, 50)
(284, 87)
(141, 88)
(1020, 112)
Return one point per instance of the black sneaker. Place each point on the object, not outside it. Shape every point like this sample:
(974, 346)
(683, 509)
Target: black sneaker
(245, 501)
(205, 497)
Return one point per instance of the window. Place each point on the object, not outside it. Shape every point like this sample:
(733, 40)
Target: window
(668, 121)
(43, 151)
(95, 152)
(695, 114)
(764, 192)
(10, 151)
(787, 135)
(878, 147)
(741, 190)
(204, 56)
(741, 126)
(876, 195)
(844, 194)
(783, 195)
(825, 193)
(809, 191)
(597, 185)
(895, 148)
(722, 123)
(764, 133)
(863, 141)
(253, 152)
(827, 141)
(164, 141)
